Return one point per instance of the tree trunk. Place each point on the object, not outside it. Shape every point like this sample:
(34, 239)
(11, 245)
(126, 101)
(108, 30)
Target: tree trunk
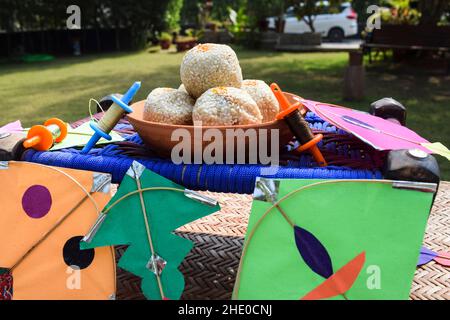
(280, 28)
(354, 77)
(310, 22)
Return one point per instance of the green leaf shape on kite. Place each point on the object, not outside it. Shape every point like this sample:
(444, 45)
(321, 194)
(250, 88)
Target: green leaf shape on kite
(167, 210)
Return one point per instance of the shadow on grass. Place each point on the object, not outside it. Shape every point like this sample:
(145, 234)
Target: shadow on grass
(75, 104)
(8, 66)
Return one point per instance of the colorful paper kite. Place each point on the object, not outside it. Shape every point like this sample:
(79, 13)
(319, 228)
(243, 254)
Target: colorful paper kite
(13, 127)
(80, 136)
(143, 214)
(333, 239)
(45, 213)
(375, 131)
(427, 255)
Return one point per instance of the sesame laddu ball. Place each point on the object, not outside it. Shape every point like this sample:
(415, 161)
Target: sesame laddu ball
(210, 65)
(225, 106)
(167, 105)
(264, 98)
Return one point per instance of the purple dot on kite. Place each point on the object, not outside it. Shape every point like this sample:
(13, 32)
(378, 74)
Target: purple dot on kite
(36, 201)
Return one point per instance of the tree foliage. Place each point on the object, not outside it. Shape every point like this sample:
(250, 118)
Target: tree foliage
(20, 15)
(190, 13)
(422, 12)
(220, 8)
(173, 15)
(258, 10)
(307, 10)
(140, 17)
(361, 6)
(432, 11)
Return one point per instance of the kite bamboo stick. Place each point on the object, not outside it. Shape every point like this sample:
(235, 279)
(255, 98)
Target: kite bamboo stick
(140, 191)
(149, 234)
(48, 233)
(57, 224)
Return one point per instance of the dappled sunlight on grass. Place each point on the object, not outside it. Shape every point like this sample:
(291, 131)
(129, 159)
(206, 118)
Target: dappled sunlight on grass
(62, 88)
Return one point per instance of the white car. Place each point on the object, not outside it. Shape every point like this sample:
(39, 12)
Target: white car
(335, 26)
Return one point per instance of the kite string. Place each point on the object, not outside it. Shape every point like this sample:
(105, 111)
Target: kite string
(110, 117)
(90, 108)
(276, 205)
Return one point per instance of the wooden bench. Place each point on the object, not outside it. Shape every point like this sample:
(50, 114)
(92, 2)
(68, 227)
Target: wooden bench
(405, 38)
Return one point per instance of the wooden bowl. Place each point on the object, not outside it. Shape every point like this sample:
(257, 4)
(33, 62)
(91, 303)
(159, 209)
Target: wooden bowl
(158, 136)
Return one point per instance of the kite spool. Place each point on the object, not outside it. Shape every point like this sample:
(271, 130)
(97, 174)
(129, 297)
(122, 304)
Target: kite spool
(298, 125)
(389, 109)
(411, 165)
(42, 137)
(107, 101)
(111, 117)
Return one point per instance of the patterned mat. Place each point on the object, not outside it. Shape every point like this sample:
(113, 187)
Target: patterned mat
(210, 269)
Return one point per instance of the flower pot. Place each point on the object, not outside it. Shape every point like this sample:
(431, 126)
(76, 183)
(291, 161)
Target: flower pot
(186, 45)
(165, 44)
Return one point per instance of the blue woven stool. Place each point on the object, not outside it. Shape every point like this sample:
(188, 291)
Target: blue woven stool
(115, 159)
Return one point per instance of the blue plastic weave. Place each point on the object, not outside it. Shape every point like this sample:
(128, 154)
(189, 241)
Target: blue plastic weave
(216, 178)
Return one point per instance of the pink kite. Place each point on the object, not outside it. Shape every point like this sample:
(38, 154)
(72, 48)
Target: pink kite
(377, 132)
(13, 127)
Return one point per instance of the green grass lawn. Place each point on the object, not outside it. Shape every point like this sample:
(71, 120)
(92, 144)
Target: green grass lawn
(62, 88)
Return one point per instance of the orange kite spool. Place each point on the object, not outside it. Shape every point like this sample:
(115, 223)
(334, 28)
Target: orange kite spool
(299, 127)
(42, 137)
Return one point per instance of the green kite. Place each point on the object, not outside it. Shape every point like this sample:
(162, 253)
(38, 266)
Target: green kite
(333, 239)
(143, 214)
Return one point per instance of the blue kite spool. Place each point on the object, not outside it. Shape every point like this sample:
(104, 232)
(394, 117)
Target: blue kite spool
(111, 117)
